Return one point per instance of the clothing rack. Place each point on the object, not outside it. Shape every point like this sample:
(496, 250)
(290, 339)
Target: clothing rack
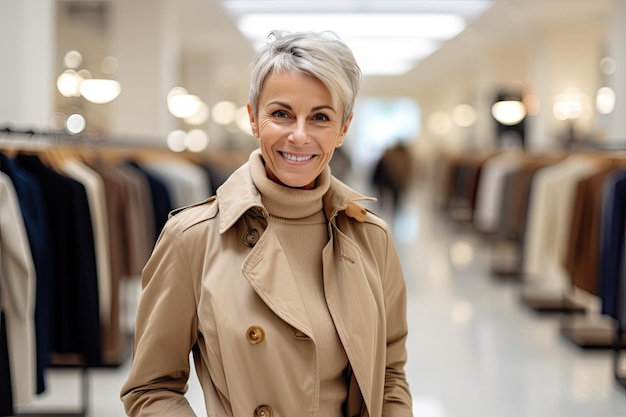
(108, 150)
(42, 139)
(30, 139)
(227, 159)
(39, 137)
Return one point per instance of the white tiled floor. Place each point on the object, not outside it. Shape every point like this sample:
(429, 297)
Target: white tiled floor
(475, 350)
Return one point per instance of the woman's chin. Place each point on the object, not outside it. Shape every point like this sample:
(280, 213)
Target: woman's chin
(298, 183)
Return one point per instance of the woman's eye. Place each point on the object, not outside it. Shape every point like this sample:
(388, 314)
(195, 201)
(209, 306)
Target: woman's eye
(280, 113)
(320, 117)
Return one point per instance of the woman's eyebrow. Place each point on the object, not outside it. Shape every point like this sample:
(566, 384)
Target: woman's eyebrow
(315, 108)
(280, 103)
(322, 107)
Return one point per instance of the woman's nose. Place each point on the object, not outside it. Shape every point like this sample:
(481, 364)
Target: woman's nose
(299, 134)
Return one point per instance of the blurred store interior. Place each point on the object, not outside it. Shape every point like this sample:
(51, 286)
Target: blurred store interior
(512, 313)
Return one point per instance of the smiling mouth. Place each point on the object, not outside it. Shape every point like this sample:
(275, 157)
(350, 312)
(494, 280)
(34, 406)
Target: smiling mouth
(295, 158)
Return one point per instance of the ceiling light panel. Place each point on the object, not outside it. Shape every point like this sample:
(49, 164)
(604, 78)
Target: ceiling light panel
(466, 8)
(371, 25)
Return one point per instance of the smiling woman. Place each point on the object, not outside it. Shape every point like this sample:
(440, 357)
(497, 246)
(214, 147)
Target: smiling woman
(283, 273)
(298, 128)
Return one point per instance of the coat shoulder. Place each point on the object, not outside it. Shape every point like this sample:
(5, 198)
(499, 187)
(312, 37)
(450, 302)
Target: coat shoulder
(360, 214)
(377, 222)
(375, 219)
(196, 213)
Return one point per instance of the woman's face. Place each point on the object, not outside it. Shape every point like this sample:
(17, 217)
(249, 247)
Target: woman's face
(298, 128)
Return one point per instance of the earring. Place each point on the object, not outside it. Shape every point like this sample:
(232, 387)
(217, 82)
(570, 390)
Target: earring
(339, 144)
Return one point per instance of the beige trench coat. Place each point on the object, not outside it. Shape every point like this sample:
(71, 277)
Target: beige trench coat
(214, 287)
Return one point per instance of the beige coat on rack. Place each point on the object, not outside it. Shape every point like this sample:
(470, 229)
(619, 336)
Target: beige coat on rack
(17, 294)
(549, 216)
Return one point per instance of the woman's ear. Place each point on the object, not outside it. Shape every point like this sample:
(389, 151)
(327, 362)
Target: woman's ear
(344, 131)
(253, 124)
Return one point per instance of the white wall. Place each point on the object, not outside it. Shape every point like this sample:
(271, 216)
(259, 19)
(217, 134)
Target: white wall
(26, 74)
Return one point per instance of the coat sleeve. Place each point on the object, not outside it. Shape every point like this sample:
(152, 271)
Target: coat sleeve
(397, 397)
(165, 331)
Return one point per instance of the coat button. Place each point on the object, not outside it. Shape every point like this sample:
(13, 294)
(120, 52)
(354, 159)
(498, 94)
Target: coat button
(251, 237)
(263, 411)
(255, 334)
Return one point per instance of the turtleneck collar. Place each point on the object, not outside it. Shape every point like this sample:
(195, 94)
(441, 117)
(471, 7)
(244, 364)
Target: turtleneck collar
(283, 201)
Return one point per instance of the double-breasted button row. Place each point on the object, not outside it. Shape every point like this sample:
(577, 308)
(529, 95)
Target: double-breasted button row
(250, 237)
(255, 334)
(263, 411)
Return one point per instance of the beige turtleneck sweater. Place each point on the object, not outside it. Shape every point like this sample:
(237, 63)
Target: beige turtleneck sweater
(298, 219)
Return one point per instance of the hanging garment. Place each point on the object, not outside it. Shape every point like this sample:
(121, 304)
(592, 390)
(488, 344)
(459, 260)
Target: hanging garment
(160, 196)
(548, 218)
(515, 198)
(31, 203)
(17, 292)
(583, 250)
(76, 319)
(94, 189)
(612, 243)
(137, 195)
(491, 187)
(123, 216)
(187, 182)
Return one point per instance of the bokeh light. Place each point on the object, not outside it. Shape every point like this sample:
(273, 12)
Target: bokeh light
(75, 124)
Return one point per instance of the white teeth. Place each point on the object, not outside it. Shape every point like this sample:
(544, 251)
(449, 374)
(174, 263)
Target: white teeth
(297, 158)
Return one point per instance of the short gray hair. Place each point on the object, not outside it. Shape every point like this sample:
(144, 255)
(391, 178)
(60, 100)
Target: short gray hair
(322, 55)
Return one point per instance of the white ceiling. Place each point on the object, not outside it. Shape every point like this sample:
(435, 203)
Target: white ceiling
(209, 29)
(209, 33)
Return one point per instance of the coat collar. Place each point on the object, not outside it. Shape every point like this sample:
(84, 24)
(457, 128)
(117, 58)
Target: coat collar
(238, 194)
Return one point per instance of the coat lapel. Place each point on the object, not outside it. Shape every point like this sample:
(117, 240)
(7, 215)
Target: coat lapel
(269, 273)
(352, 305)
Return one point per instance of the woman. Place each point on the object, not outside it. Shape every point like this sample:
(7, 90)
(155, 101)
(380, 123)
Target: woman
(288, 292)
